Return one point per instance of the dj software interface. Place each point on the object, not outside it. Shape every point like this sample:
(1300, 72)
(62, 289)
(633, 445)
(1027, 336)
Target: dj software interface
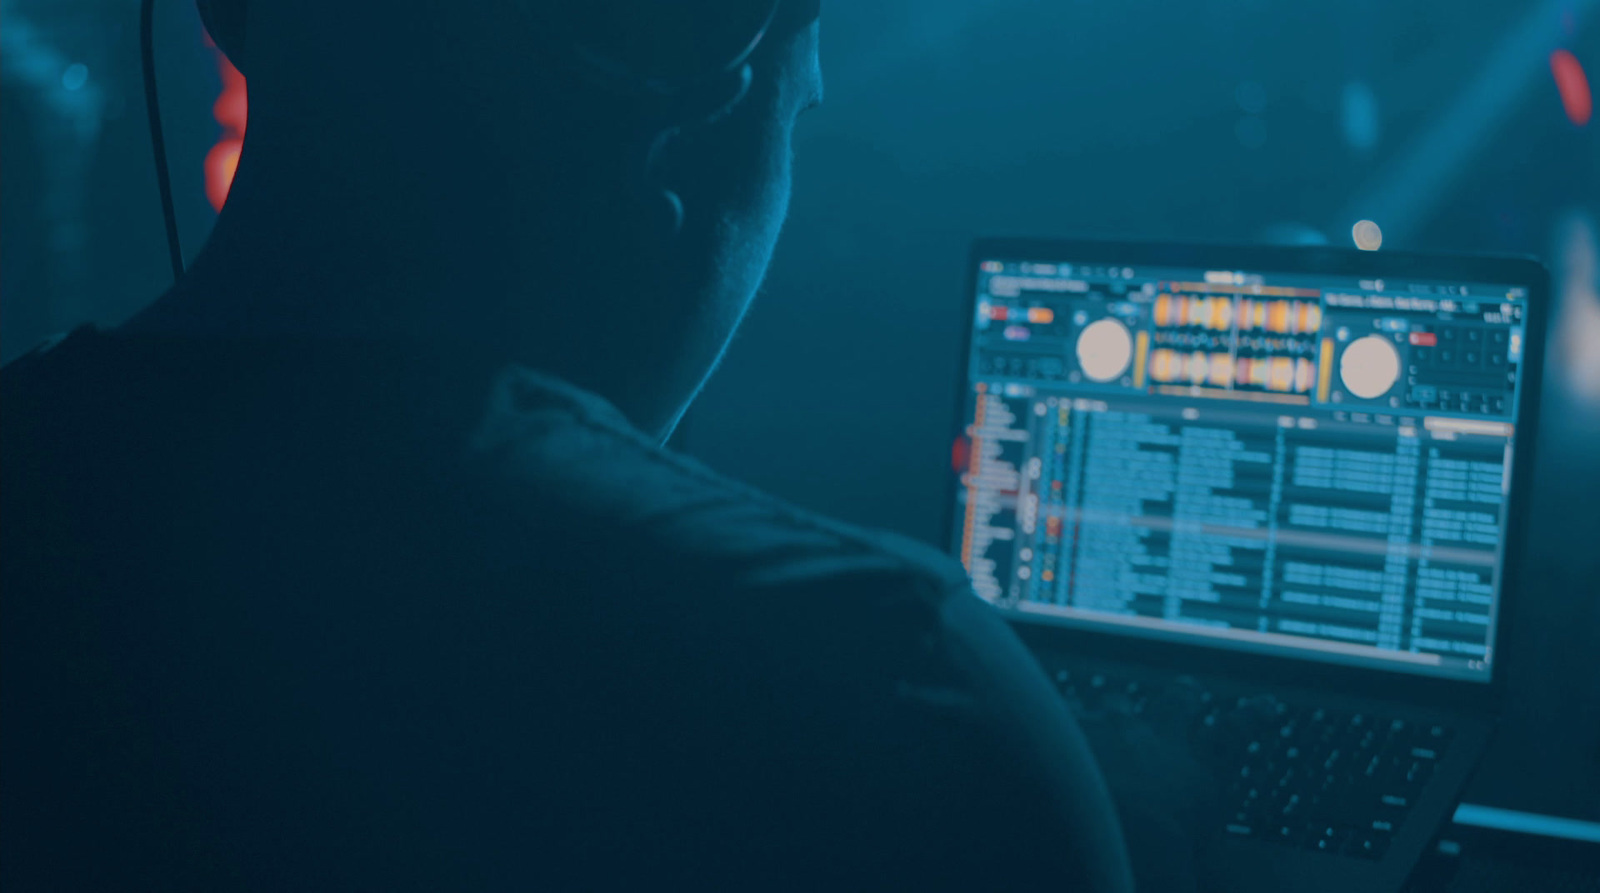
(1283, 463)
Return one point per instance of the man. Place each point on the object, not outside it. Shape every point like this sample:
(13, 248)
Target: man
(356, 561)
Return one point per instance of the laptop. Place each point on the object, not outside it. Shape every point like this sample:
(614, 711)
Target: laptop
(1290, 481)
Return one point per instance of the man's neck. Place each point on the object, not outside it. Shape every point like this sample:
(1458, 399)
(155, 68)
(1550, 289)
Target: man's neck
(422, 288)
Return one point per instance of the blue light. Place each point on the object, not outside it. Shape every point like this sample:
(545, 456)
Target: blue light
(1292, 233)
(1359, 116)
(1526, 822)
(76, 75)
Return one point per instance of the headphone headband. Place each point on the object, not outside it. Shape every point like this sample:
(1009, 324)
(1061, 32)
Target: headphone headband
(654, 49)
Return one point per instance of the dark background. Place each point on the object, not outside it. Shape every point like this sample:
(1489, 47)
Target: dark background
(1234, 120)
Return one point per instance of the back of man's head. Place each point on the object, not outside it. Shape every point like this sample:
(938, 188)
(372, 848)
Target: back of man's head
(628, 148)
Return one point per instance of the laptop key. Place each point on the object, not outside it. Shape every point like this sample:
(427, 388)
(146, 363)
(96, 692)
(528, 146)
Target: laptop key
(1375, 768)
(1386, 826)
(1370, 844)
(1394, 803)
(1291, 831)
(1416, 775)
(1387, 819)
(1333, 762)
(1293, 808)
(1251, 799)
(1438, 736)
(1329, 838)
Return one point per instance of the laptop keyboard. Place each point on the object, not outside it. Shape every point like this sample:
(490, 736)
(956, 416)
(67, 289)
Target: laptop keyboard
(1300, 775)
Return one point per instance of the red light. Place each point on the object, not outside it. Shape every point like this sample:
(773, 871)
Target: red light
(221, 162)
(960, 455)
(232, 107)
(1573, 86)
(231, 111)
(1424, 339)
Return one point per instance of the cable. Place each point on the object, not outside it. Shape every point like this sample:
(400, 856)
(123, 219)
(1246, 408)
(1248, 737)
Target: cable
(158, 143)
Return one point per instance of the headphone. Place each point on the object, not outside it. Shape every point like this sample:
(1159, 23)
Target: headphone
(628, 51)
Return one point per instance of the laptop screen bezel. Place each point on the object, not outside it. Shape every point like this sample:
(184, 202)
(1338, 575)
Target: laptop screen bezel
(1196, 657)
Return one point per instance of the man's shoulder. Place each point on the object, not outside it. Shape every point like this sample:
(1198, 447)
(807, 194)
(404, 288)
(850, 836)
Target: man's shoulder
(568, 463)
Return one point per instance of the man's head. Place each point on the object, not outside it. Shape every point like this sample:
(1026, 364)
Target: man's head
(590, 188)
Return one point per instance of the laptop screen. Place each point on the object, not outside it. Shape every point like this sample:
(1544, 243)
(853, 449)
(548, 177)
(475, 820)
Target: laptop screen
(1305, 465)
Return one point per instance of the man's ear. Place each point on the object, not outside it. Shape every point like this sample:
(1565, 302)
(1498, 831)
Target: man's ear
(224, 21)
